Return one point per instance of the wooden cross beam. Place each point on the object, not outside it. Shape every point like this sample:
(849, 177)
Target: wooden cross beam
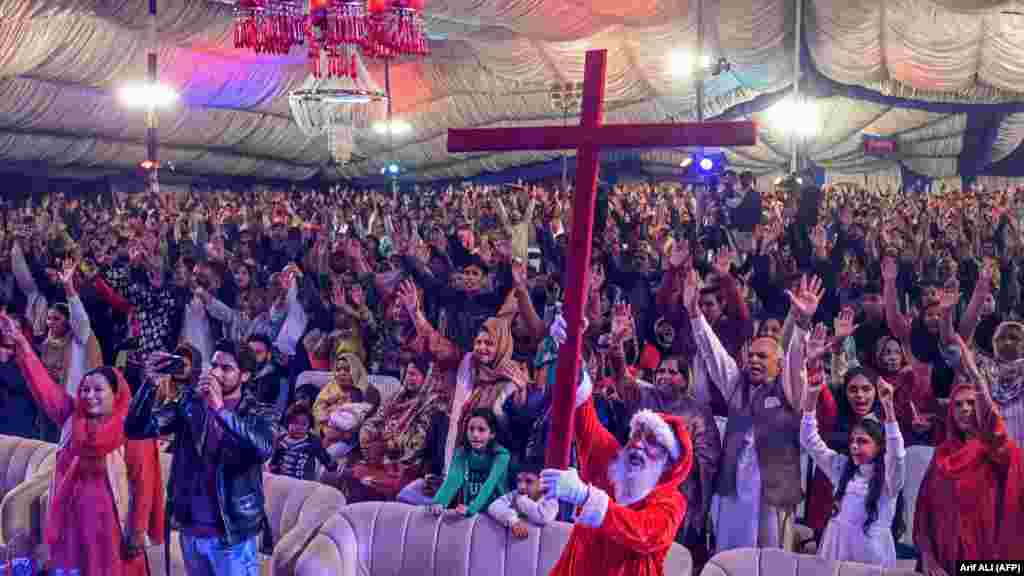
(588, 138)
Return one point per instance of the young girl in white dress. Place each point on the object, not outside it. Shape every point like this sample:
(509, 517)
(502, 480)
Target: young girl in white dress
(867, 482)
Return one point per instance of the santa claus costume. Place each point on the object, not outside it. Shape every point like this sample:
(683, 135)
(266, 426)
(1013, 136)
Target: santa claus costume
(618, 533)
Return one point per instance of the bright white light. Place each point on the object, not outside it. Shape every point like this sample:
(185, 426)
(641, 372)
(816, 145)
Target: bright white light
(398, 127)
(686, 162)
(682, 63)
(393, 168)
(145, 95)
(706, 164)
(800, 118)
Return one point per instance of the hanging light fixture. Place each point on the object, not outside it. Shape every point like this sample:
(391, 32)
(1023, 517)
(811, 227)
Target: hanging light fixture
(336, 107)
(338, 29)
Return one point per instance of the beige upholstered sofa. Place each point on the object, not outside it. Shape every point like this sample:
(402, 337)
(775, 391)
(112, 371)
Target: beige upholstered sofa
(296, 508)
(774, 562)
(388, 538)
(25, 467)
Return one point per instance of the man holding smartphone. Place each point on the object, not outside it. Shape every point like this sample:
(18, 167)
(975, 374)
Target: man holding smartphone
(221, 441)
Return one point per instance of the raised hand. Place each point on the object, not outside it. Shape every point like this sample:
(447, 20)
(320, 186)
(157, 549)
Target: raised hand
(511, 370)
(622, 321)
(812, 389)
(921, 424)
(559, 330)
(10, 329)
(691, 293)
(844, 326)
(807, 297)
(409, 298)
(67, 273)
(818, 344)
(680, 254)
(723, 261)
(885, 391)
(818, 237)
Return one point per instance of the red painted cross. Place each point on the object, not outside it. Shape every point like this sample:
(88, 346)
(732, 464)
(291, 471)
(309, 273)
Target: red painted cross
(588, 138)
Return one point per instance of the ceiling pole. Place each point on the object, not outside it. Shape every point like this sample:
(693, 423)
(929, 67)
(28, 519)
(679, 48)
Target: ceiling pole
(699, 77)
(565, 154)
(795, 163)
(391, 129)
(151, 114)
(699, 60)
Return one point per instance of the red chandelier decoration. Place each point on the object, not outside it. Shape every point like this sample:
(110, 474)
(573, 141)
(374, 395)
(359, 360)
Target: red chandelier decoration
(337, 29)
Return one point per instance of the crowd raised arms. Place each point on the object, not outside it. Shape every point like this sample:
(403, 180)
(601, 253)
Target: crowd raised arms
(402, 346)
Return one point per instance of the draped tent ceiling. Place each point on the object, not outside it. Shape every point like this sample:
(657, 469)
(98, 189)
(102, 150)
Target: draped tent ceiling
(946, 77)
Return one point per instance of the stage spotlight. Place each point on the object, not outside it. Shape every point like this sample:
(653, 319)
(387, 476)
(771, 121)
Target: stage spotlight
(686, 162)
(706, 164)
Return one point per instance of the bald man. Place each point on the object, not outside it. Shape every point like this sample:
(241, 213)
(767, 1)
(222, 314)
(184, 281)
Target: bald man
(759, 474)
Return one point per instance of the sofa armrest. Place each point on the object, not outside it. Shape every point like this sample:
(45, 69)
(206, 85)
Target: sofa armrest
(21, 511)
(320, 558)
(291, 545)
(333, 551)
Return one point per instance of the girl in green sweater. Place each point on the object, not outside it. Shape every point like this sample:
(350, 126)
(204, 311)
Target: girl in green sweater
(479, 469)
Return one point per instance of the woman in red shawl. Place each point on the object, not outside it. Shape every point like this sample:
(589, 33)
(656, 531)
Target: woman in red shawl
(93, 526)
(971, 504)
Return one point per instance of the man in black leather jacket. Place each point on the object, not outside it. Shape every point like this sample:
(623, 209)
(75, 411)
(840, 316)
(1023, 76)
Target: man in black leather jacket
(221, 440)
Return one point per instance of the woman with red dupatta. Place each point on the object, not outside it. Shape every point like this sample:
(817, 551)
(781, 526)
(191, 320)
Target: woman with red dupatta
(971, 504)
(96, 524)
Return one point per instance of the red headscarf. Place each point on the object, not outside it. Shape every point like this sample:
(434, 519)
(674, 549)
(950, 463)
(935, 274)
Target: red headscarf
(960, 512)
(91, 440)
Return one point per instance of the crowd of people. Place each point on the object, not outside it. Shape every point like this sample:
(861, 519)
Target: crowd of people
(403, 347)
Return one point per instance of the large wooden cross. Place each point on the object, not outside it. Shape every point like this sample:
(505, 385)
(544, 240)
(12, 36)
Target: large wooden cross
(588, 138)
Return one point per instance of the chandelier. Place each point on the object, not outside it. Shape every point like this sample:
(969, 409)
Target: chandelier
(336, 107)
(336, 29)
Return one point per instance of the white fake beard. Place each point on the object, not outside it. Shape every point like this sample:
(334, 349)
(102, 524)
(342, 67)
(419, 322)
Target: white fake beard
(633, 482)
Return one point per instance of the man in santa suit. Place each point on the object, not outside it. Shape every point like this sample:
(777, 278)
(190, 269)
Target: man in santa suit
(628, 498)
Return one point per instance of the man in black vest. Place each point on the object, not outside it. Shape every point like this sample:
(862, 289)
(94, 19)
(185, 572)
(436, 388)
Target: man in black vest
(759, 473)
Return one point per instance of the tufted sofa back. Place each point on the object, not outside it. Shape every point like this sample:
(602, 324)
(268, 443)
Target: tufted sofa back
(21, 458)
(392, 539)
(775, 562)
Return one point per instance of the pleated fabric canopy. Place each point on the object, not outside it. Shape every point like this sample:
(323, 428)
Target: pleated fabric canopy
(943, 77)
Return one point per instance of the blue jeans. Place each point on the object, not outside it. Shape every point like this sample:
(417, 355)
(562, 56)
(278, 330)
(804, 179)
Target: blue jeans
(213, 557)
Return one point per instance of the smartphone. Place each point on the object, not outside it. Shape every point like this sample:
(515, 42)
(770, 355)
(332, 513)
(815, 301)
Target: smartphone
(172, 365)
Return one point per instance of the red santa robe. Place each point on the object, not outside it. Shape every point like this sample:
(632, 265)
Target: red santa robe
(971, 504)
(609, 539)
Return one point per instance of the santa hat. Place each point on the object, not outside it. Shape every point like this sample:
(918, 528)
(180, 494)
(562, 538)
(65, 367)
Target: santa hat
(660, 427)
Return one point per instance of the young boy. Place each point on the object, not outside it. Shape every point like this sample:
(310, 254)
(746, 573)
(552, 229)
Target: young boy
(297, 451)
(525, 502)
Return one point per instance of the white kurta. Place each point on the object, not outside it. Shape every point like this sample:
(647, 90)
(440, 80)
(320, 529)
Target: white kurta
(735, 527)
(844, 537)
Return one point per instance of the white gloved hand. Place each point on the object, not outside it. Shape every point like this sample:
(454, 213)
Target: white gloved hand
(559, 330)
(564, 485)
